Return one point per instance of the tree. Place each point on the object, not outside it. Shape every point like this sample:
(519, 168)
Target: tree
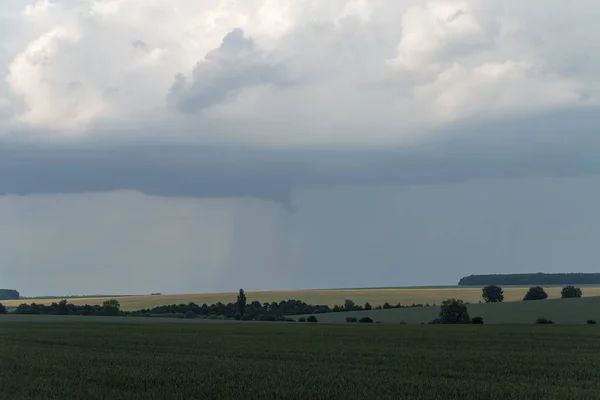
(3, 309)
(312, 318)
(536, 293)
(570, 292)
(454, 311)
(386, 306)
(368, 306)
(111, 307)
(241, 302)
(477, 320)
(492, 294)
(349, 305)
(365, 320)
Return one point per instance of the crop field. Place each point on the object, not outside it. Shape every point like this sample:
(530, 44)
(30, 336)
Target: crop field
(561, 311)
(91, 360)
(330, 297)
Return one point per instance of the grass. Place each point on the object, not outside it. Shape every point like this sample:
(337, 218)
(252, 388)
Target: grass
(561, 311)
(327, 297)
(56, 359)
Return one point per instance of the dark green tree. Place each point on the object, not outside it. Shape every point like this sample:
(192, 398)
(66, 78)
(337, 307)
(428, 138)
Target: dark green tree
(454, 311)
(536, 293)
(349, 305)
(492, 294)
(312, 318)
(570, 292)
(241, 302)
(3, 309)
(111, 307)
(368, 306)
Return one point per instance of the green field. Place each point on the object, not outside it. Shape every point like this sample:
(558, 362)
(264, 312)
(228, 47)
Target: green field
(407, 296)
(561, 311)
(56, 359)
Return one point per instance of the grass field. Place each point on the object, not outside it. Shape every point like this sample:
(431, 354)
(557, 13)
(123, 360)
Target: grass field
(55, 359)
(561, 311)
(327, 297)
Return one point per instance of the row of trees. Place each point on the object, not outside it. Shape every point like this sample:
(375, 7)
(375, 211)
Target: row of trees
(63, 307)
(495, 294)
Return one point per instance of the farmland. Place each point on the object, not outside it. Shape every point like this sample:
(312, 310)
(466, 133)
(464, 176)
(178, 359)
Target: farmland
(561, 311)
(97, 360)
(331, 297)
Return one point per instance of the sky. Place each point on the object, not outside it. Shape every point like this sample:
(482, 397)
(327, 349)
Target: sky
(202, 146)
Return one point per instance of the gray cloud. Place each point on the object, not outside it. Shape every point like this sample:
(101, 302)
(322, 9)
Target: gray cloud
(236, 64)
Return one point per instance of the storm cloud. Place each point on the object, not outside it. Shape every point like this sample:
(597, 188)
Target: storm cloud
(294, 139)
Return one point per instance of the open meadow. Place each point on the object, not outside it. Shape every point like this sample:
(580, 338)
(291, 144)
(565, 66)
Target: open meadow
(331, 297)
(57, 359)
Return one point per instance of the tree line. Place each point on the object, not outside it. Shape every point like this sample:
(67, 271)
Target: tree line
(495, 294)
(9, 294)
(531, 279)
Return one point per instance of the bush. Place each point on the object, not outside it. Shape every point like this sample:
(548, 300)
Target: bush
(351, 319)
(246, 317)
(301, 319)
(213, 316)
(312, 318)
(590, 322)
(190, 314)
(238, 316)
(543, 321)
(179, 315)
(3, 309)
(365, 320)
(477, 321)
(454, 311)
(403, 323)
(536, 293)
(570, 292)
(435, 321)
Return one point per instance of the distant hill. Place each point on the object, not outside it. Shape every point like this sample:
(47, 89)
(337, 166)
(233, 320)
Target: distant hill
(531, 279)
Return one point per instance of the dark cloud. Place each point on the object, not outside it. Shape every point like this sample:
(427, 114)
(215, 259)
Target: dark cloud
(557, 145)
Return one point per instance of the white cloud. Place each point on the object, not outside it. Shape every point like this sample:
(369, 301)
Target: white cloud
(339, 72)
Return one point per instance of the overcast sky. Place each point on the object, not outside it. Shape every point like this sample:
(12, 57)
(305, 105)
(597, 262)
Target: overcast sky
(192, 145)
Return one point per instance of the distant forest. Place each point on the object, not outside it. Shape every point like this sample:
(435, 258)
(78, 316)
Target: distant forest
(9, 294)
(531, 279)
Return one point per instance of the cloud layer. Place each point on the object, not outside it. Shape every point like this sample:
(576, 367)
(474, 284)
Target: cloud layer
(288, 73)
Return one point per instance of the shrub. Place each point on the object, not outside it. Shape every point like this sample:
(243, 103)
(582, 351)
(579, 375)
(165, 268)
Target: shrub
(312, 318)
(246, 317)
(190, 314)
(543, 321)
(435, 321)
(3, 309)
(351, 319)
(365, 320)
(454, 311)
(477, 321)
(212, 316)
(179, 315)
(591, 322)
(536, 293)
(238, 316)
(301, 319)
(403, 323)
(570, 292)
